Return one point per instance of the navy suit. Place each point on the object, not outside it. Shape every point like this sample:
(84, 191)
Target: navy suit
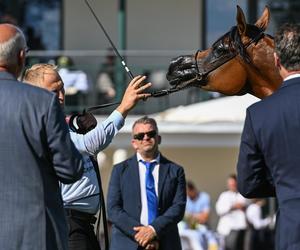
(35, 153)
(124, 204)
(269, 159)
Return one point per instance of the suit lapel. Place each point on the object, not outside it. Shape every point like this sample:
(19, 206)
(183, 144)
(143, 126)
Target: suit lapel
(163, 171)
(135, 180)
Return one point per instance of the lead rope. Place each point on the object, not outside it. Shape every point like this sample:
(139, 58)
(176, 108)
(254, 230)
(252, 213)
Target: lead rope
(102, 208)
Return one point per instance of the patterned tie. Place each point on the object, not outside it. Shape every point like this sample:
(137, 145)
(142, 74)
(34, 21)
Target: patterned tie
(150, 190)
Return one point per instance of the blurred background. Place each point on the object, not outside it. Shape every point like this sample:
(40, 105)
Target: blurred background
(200, 130)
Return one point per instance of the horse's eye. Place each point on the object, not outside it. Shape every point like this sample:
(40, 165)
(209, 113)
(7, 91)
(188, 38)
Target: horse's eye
(220, 50)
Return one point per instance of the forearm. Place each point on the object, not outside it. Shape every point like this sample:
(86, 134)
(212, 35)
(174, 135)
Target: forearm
(100, 137)
(170, 218)
(202, 217)
(123, 221)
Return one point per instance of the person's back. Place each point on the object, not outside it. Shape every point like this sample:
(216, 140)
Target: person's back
(269, 158)
(35, 152)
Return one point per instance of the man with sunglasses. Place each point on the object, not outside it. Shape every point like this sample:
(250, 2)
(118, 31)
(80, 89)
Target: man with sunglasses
(147, 195)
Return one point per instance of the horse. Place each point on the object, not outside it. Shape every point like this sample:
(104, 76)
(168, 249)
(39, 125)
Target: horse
(239, 62)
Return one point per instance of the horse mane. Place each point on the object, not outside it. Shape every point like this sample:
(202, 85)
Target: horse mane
(235, 41)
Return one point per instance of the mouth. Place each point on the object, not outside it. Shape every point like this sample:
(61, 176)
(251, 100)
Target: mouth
(183, 73)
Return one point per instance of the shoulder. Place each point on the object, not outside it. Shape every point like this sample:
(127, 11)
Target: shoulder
(22, 87)
(122, 166)
(36, 93)
(173, 165)
(204, 195)
(224, 195)
(31, 97)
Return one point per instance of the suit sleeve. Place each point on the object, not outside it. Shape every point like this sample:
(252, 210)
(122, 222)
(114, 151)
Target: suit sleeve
(254, 180)
(175, 212)
(115, 211)
(66, 160)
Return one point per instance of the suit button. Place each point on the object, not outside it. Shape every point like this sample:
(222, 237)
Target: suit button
(159, 209)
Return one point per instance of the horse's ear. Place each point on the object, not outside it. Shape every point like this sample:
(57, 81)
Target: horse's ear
(264, 20)
(241, 21)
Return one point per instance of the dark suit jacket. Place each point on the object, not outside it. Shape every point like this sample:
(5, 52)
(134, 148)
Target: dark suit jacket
(269, 160)
(124, 204)
(35, 153)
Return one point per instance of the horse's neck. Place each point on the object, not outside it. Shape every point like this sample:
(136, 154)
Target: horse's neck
(263, 84)
(262, 76)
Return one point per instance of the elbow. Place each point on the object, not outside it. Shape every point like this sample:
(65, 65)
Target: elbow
(74, 175)
(245, 191)
(256, 191)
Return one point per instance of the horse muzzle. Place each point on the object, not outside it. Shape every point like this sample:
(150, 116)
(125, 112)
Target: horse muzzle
(183, 72)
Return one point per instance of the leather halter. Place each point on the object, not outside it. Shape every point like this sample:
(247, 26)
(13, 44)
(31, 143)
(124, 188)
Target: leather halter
(202, 74)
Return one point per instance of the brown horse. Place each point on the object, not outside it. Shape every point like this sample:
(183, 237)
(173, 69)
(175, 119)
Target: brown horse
(239, 62)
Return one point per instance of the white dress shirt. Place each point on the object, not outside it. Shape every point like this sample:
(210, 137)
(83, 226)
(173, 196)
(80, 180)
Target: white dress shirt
(254, 216)
(230, 219)
(142, 173)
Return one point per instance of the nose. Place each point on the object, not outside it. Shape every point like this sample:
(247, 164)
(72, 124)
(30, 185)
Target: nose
(61, 97)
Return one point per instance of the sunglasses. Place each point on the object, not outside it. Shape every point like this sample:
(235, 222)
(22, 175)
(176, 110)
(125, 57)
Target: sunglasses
(140, 136)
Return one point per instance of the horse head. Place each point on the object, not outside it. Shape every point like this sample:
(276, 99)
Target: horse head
(239, 62)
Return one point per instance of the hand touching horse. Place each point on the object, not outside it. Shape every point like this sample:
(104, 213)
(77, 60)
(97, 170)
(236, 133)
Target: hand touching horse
(239, 62)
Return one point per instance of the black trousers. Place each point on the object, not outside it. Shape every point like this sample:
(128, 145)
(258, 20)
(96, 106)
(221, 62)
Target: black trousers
(235, 240)
(81, 231)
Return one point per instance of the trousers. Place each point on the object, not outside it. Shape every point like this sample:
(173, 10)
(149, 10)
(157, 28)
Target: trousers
(81, 231)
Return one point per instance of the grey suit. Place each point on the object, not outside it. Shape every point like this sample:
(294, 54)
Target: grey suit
(35, 153)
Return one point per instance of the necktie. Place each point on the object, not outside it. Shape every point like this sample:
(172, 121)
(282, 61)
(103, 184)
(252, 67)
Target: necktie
(150, 191)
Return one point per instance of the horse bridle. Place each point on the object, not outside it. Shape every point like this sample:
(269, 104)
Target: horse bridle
(203, 74)
(200, 77)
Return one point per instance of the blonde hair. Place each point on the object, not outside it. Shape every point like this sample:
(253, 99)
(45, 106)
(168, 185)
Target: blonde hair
(35, 74)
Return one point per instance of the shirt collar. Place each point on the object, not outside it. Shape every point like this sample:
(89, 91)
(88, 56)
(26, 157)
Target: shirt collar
(292, 76)
(140, 158)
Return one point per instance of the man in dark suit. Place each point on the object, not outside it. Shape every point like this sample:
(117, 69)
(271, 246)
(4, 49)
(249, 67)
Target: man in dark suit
(269, 157)
(35, 153)
(146, 196)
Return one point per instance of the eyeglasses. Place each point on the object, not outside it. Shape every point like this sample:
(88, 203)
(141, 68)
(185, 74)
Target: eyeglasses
(26, 49)
(140, 136)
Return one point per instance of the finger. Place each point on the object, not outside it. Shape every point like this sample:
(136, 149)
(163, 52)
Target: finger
(139, 81)
(137, 228)
(137, 236)
(136, 79)
(142, 88)
(143, 96)
(144, 243)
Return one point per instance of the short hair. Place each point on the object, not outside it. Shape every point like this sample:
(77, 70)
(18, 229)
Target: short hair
(9, 49)
(190, 185)
(232, 176)
(146, 120)
(287, 46)
(35, 74)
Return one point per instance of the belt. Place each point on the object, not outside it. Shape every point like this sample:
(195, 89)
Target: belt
(90, 218)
